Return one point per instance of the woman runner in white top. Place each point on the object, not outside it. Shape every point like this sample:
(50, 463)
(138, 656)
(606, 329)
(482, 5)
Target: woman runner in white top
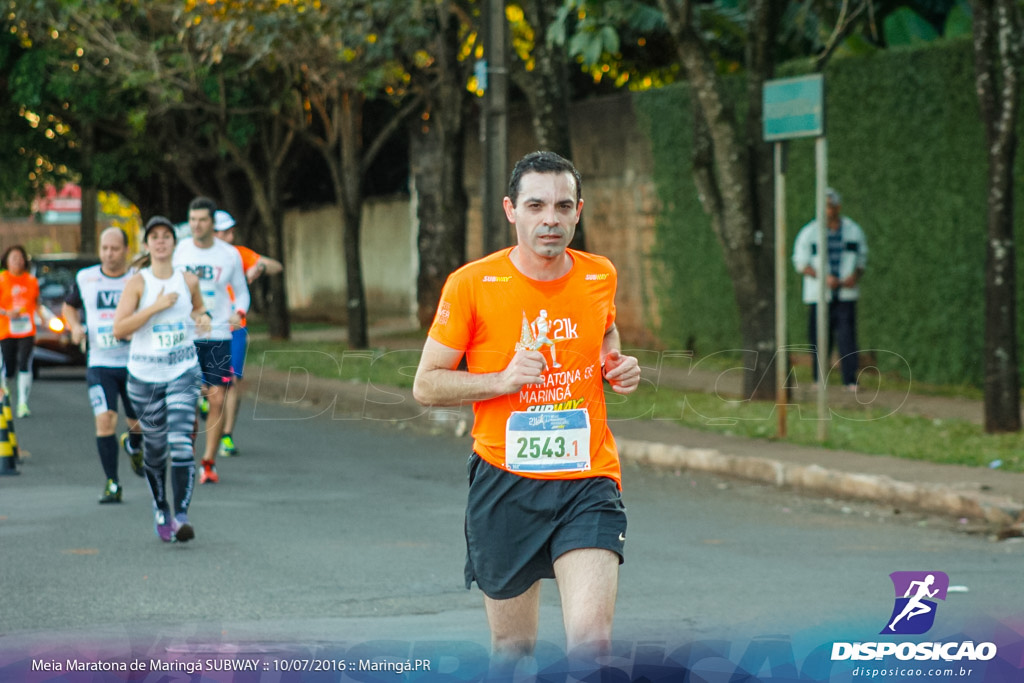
(161, 310)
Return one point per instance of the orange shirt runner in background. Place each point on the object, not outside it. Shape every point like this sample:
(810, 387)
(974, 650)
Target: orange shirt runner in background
(489, 309)
(249, 259)
(18, 292)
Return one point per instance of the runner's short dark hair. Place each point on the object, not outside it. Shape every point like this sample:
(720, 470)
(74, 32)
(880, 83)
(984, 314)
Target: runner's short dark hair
(203, 203)
(542, 162)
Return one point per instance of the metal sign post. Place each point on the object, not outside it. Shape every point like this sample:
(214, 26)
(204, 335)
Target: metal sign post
(793, 108)
(781, 354)
(821, 268)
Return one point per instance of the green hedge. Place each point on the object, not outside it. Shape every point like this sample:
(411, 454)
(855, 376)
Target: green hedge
(907, 152)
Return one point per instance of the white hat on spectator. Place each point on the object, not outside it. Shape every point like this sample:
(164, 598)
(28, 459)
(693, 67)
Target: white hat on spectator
(222, 221)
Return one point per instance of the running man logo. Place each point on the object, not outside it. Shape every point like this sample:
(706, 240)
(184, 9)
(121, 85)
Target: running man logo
(914, 611)
(545, 332)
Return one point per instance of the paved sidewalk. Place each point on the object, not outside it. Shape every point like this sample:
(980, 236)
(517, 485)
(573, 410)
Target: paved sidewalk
(982, 495)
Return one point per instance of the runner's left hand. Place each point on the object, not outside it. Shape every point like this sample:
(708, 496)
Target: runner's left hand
(622, 372)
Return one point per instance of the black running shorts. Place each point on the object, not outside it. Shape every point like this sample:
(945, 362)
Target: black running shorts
(517, 527)
(105, 385)
(215, 361)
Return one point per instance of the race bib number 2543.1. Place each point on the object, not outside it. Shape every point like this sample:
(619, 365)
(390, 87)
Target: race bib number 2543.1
(555, 441)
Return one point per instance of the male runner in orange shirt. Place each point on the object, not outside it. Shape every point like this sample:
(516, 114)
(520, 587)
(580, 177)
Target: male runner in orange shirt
(254, 266)
(544, 499)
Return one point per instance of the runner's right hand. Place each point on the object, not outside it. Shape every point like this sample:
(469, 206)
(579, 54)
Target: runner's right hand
(165, 300)
(526, 367)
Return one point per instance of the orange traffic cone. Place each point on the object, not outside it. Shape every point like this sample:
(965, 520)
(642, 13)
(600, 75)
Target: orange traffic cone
(8, 463)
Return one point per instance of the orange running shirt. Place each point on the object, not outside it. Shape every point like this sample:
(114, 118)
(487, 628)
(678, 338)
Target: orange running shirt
(18, 292)
(489, 309)
(249, 259)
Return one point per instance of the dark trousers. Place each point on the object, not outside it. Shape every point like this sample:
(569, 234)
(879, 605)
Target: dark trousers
(17, 354)
(842, 326)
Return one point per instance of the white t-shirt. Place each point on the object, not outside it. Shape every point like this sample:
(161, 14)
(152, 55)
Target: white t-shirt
(164, 348)
(98, 295)
(217, 267)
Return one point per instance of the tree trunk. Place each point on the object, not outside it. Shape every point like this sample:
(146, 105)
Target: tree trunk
(349, 190)
(90, 209)
(90, 195)
(263, 165)
(342, 148)
(436, 157)
(760, 318)
(998, 57)
(275, 294)
(437, 143)
(355, 304)
(729, 173)
(547, 91)
(340, 143)
(270, 293)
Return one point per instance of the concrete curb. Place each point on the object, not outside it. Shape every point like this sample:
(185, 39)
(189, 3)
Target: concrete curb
(348, 400)
(934, 498)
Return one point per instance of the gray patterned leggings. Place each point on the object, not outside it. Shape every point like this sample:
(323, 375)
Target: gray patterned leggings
(167, 413)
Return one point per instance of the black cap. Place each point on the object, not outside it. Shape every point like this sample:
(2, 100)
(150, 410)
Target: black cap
(157, 221)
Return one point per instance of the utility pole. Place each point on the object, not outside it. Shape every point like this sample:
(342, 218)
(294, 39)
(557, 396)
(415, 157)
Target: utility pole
(90, 195)
(494, 126)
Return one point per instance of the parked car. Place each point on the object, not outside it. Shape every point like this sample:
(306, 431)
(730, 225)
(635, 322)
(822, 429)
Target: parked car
(56, 275)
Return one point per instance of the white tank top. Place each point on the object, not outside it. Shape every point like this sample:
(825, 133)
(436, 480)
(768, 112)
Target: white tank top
(163, 348)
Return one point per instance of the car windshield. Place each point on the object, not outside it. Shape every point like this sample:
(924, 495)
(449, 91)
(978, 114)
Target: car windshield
(56, 277)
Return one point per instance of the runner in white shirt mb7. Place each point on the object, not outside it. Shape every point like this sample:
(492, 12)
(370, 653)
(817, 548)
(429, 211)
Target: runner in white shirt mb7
(218, 266)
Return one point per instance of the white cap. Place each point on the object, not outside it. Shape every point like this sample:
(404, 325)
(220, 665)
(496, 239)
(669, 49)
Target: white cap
(834, 198)
(222, 221)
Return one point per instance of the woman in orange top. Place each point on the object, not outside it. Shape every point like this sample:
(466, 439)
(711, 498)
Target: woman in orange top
(19, 301)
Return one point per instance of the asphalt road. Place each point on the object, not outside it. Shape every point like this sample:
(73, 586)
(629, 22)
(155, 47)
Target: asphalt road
(327, 532)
